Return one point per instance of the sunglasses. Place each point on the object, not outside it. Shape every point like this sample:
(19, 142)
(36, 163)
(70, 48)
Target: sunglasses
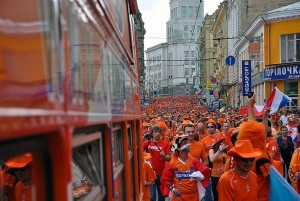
(210, 127)
(247, 159)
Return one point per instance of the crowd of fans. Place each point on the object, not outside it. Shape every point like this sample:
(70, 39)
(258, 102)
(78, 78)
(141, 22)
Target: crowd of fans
(227, 152)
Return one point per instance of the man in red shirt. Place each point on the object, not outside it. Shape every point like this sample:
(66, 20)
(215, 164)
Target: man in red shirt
(160, 152)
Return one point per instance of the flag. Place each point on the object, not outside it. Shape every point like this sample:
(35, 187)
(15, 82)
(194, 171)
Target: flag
(277, 100)
(258, 110)
(280, 189)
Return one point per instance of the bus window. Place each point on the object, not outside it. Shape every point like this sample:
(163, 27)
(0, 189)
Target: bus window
(118, 163)
(25, 165)
(88, 167)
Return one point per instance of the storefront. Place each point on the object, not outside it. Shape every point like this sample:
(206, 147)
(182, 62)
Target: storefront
(286, 79)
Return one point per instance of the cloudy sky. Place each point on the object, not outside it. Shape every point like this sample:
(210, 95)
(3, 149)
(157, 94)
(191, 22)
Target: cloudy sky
(155, 14)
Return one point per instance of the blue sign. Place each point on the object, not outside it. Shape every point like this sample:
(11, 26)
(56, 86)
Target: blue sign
(230, 60)
(246, 76)
(282, 73)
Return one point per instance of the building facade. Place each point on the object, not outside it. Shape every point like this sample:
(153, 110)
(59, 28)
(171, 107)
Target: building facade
(177, 57)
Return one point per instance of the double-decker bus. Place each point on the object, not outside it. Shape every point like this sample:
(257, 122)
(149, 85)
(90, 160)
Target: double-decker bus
(70, 123)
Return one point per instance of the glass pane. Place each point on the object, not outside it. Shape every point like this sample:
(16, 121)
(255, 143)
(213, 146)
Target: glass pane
(298, 50)
(283, 51)
(291, 50)
(87, 179)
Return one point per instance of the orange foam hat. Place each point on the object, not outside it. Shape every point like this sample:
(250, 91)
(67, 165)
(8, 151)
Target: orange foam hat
(19, 161)
(255, 132)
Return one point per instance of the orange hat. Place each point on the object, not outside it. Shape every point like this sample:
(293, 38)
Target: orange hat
(255, 132)
(162, 125)
(19, 161)
(152, 121)
(145, 124)
(185, 122)
(217, 140)
(244, 149)
(147, 156)
(211, 121)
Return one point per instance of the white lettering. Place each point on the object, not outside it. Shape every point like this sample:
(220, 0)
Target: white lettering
(283, 71)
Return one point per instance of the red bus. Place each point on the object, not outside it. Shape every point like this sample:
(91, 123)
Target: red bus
(70, 123)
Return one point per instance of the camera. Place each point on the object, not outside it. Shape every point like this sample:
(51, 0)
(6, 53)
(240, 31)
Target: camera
(250, 94)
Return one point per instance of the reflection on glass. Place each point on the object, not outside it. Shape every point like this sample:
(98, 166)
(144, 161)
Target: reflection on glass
(15, 178)
(87, 180)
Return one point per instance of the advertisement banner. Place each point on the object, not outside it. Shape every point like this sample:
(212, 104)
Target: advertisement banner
(282, 73)
(246, 76)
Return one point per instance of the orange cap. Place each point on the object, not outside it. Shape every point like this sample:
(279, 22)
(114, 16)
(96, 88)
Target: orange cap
(19, 161)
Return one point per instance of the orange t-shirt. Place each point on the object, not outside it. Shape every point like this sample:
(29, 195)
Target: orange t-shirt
(295, 168)
(219, 165)
(209, 140)
(202, 136)
(233, 187)
(22, 193)
(263, 179)
(272, 148)
(149, 175)
(197, 150)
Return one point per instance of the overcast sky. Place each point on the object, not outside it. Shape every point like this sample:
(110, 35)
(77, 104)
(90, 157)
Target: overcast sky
(155, 14)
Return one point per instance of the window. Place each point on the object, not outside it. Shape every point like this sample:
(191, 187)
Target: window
(186, 36)
(88, 165)
(290, 48)
(186, 61)
(183, 11)
(190, 12)
(193, 54)
(186, 53)
(186, 28)
(186, 72)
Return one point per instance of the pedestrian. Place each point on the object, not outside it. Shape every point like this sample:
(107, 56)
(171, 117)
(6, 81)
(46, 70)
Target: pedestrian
(149, 176)
(217, 156)
(286, 149)
(294, 170)
(240, 183)
(197, 149)
(184, 177)
(160, 153)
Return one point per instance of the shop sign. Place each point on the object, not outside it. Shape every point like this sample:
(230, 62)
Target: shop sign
(282, 72)
(246, 76)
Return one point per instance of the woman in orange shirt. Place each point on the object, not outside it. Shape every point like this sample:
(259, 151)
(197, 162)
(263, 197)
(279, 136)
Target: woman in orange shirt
(217, 156)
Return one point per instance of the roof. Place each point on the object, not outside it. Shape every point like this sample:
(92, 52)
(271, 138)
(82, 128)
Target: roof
(293, 6)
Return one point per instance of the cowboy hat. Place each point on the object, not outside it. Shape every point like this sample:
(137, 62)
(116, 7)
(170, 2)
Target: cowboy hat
(217, 140)
(244, 149)
(19, 161)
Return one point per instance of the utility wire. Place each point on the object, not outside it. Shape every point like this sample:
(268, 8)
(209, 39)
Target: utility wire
(193, 31)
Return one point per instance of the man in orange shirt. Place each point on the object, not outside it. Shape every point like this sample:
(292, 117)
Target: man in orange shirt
(178, 176)
(201, 131)
(209, 140)
(197, 149)
(240, 183)
(21, 165)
